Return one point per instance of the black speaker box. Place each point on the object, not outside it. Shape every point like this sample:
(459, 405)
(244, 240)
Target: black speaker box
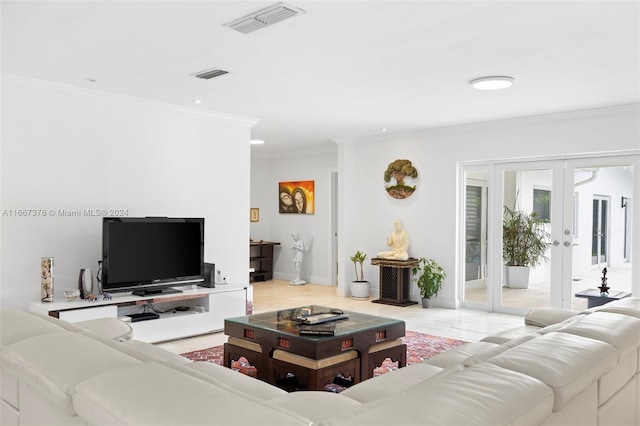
(209, 275)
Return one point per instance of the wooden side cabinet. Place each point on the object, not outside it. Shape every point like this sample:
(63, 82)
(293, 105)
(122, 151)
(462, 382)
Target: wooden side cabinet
(395, 279)
(261, 260)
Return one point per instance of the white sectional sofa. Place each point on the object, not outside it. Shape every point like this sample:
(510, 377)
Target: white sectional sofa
(559, 368)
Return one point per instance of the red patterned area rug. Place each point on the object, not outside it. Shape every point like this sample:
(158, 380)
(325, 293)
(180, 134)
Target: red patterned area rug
(420, 346)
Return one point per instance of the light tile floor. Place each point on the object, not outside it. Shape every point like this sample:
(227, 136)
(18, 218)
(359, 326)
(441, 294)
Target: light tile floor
(463, 324)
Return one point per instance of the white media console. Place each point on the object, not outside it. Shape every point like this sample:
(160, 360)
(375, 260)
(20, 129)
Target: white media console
(207, 309)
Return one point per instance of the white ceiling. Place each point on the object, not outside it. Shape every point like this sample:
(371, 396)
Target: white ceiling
(342, 69)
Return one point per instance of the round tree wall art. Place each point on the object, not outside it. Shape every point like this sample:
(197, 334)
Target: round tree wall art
(397, 175)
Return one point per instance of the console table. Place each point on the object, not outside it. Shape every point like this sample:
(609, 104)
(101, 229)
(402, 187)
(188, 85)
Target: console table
(395, 281)
(208, 307)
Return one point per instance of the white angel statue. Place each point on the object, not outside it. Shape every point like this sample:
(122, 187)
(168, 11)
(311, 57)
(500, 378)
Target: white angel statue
(299, 246)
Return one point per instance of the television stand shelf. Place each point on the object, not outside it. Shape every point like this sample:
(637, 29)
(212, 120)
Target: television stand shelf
(207, 310)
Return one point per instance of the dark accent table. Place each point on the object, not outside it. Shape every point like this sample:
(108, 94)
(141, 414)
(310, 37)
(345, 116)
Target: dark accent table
(257, 337)
(594, 299)
(395, 281)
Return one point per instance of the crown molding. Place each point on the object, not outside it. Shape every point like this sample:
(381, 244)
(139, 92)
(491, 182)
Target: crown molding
(215, 116)
(632, 109)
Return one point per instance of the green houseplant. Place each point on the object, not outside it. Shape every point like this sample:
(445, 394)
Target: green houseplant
(360, 288)
(524, 243)
(428, 275)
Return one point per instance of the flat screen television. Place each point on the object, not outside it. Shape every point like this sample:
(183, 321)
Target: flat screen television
(148, 255)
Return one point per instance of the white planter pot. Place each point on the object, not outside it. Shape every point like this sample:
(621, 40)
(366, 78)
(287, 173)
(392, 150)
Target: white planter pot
(518, 276)
(360, 289)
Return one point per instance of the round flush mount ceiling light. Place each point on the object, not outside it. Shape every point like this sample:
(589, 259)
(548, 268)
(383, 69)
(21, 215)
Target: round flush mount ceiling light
(492, 82)
(256, 142)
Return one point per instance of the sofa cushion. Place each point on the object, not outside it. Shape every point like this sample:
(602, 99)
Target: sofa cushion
(481, 395)
(314, 405)
(143, 351)
(619, 330)
(511, 334)
(490, 353)
(56, 321)
(458, 354)
(567, 363)
(226, 377)
(154, 394)
(536, 324)
(627, 306)
(18, 325)
(388, 384)
(53, 364)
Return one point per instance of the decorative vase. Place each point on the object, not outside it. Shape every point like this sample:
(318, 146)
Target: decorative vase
(85, 283)
(99, 278)
(46, 279)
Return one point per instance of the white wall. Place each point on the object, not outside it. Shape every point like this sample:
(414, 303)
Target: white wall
(273, 226)
(430, 214)
(66, 148)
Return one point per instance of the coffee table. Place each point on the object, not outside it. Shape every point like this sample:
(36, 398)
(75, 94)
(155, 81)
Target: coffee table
(271, 342)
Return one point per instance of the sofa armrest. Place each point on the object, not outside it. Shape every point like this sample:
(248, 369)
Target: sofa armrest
(110, 328)
(543, 317)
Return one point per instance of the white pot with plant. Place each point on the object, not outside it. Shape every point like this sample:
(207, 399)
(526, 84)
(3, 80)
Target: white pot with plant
(360, 288)
(428, 276)
(524, 243)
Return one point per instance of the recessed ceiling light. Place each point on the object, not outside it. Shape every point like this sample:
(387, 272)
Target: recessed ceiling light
(196, 101)
(492, 82)
(384, 129)
(256, 142)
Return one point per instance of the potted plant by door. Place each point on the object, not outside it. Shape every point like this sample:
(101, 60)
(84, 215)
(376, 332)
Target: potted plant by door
(429, 277)
(360, 288)
(524, 243)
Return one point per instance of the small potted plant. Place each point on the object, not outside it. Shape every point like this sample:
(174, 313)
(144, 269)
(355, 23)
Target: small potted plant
(429, 276)
(360, 288)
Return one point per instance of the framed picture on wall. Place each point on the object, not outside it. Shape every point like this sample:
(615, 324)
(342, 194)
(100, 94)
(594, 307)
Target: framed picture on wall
(254, 215)
(296, 197)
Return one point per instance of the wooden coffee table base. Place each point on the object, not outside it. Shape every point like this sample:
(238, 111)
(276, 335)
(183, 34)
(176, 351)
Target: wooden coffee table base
(292, 374)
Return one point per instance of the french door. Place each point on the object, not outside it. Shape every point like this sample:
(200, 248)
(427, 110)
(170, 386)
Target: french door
(534, 189)
(584, 232)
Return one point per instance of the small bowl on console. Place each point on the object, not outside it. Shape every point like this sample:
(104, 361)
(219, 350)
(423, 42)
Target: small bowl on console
(72, 295)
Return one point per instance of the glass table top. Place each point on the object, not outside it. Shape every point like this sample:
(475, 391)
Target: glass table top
(284, 321)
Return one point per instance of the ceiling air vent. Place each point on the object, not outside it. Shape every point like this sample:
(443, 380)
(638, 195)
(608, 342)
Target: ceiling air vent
(209, 74)
(264, 17)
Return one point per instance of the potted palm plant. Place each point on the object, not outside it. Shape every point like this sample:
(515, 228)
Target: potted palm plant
(428, 275)
(360, 288)
(524, 243)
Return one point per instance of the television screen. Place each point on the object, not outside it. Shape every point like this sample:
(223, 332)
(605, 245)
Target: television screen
(148, 254)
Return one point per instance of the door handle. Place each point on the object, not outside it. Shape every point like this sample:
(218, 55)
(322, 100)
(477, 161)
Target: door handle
(556, 243)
